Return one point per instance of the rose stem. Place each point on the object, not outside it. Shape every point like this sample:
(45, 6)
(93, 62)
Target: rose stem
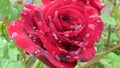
(36, 64)
(108, 37)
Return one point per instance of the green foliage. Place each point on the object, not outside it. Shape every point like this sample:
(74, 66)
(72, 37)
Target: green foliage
(7, 10)
(111, 60)
(108, 19)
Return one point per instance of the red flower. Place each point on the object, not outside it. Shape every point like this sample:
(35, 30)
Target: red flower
(59, 32)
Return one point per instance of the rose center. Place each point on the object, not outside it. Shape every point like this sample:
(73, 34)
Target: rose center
(65, 18)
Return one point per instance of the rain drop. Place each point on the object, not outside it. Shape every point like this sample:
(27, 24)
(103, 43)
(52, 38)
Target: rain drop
(13, 24)
(37, 52)
(87, 35)
(95, 49)
(52, 2)
(77, 26)
(73, 0)
(40, 23)
(30, 35)
(14, 34)
(57, 57)
(61, 66)
(60, 41)
(56, 12)
(26, 9)
(76, 42)
(68, 57)
(66, 35)
(91, 26)
(34, 27)
(78, 51)
(55, 36)
(25, 13)
(76, 57)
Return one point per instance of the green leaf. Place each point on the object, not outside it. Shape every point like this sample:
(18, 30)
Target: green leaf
(0, 26)
(100, 45)
(108, 19)
(111, 60)
(114, 37)
(17, 64)
(6, 10)
(97, 65)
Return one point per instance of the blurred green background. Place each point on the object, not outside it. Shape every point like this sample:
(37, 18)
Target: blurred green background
(108, 54)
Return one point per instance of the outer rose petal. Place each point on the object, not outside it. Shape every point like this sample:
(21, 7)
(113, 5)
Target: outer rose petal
(46, 1)
(87, 54)
(17, 32)
(94, 3)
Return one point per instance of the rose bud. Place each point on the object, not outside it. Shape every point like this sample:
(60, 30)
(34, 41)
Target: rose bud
(59, 32)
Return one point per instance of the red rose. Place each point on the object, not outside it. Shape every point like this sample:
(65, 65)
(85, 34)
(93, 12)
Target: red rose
(59, 32)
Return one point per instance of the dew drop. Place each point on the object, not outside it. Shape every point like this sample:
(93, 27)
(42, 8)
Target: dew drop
(37, 52)
(14, 34)
(66, 35)
(95, 49)
(30, 35)
(34, 27)
(56, 12)
(55, 36)
(87, 35)
(26, 9)
(13, 24)
(61, 66)
(77, 26)
(52, 2)
(91, 26)
(25, 13)
(78, 51)
(40, 23)
(73, 0)
(76, 42)
(57, 57)
(60, 41)
(76, 57)
(68, 57)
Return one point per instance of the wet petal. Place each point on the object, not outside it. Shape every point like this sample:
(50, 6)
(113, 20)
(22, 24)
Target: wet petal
(20, 37)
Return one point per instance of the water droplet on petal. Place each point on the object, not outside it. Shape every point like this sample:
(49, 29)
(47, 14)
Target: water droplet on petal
(91, 26)
(78, 51)
(40, 23)
(87, 35)
(66, 35)
(37, 52)
(30, 35)
(95, 49)
(65, 0)
(61, 66)
(56, 12)
(68, 57)
(77, 26)
(60, 41)
(73, 0)
(52, 2)
(76, 57)
(13, 23)
(55, 36)
(26, 9)
(76, 42)
(57, 57)
(14, 34)
(34, 27)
